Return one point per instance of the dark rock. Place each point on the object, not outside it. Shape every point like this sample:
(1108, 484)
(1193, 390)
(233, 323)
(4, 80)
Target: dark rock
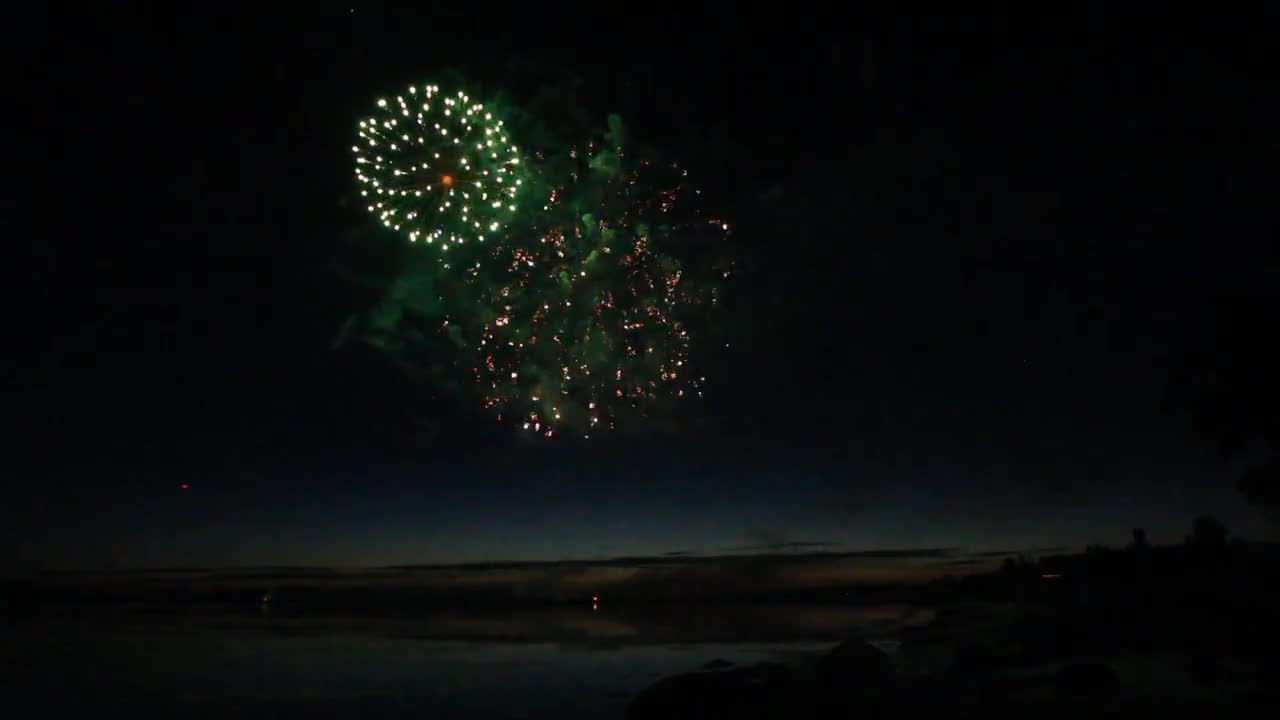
(1204, 668)
(974, 661)
(1042, 638)
(751, 693)
(718, 664)
(1091, 679)
(855, 665)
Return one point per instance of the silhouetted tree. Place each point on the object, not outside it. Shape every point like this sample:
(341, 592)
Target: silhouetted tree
(1226, 383)
(1139, 541)
(1209, 533)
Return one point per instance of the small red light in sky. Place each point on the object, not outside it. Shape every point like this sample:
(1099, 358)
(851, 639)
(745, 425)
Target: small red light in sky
(185, 486)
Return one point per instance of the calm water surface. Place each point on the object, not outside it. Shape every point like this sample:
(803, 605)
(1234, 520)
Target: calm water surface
(564, 663)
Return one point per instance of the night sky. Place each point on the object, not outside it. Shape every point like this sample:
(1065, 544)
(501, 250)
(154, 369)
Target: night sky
(976, 253)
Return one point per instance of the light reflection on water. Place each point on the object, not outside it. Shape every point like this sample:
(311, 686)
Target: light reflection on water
(561, 663)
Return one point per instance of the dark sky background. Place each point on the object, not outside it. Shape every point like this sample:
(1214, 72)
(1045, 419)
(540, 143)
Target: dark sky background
(976, 253)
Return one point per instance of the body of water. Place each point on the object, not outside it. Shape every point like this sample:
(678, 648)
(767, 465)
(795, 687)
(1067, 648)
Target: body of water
(562, 663)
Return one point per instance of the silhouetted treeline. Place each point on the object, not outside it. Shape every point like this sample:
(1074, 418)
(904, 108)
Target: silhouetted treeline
(1209, 594)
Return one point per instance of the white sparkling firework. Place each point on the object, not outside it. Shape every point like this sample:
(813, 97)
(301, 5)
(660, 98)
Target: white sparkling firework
(441, 169)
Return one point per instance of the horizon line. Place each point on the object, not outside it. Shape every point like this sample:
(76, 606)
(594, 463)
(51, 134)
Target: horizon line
(940, 553)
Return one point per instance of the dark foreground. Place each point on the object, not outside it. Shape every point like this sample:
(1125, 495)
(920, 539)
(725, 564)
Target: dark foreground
(1190, 629)
(856, 679)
